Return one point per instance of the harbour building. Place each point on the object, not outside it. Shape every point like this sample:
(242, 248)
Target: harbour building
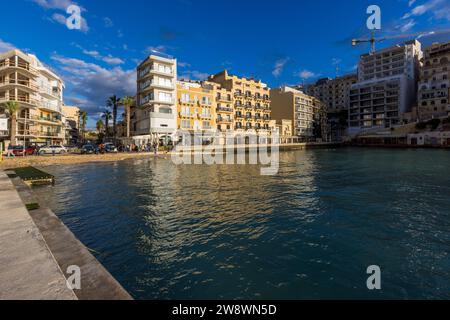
(386, 87)
(306, 113)
(155, 116)
(334, 93)
(196, 107)
(250, 100)
(434, 85)
(39, 93)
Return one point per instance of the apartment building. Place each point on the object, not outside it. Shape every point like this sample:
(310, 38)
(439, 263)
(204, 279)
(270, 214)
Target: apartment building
(196, 106)
(39, 92)
(386, 87)
(249, 99)
(306, 112)
(155, 117)
(71, 120)
(434, 85)
(334, 93)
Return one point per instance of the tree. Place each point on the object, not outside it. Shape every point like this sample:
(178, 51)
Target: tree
(114, 103)
(128, 102)
(107, 115)
(100, 125)
(12, 107)
(83, 122)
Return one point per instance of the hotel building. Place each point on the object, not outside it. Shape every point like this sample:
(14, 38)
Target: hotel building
(305, 112)
(249, 99)
(196, 106)
(155, 117)
(334, 93)
(434, 85)
(39, 92)
(386, 87)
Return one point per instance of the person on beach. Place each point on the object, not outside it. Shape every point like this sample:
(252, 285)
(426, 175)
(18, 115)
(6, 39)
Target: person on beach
(10, 152)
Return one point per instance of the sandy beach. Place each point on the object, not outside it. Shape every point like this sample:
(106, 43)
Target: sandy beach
(70, 159)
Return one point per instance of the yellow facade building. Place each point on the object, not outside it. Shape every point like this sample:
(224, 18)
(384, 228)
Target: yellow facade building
(249, 99)
(196, 106)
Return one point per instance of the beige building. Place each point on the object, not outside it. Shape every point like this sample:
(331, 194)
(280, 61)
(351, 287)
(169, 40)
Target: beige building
(155, 117)
(306, 113)
(71, 119)
(39, 91)
(248, 98)
(434, 85)
(334, 93)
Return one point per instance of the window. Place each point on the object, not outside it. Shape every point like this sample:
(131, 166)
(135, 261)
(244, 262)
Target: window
(185, 124)
(185, 97)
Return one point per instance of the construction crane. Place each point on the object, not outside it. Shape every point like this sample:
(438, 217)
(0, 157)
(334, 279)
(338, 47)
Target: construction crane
(372, 40)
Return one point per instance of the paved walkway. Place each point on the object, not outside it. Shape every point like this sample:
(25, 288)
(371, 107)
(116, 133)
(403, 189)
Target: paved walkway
(28, 270)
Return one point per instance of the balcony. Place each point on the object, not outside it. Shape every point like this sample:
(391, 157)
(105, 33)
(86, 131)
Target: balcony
(239, 116)
(248, 106)
(224, 99)
(224, 120)
(21, 83)
(4, 65)
(224, 109)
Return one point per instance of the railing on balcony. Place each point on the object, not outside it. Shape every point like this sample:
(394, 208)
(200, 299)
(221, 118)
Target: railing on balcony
(25, 83)
(224, 109)
(21, 65)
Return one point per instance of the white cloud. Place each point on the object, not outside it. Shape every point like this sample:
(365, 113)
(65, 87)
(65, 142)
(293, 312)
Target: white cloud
(429, 6)
(156, 49)
(62, 5)
(6, 46)
(112, 60)
(90, 85)
(411, 2)
(408, 26)
(109, 59)
(194, 75)
(54, 4)
(279, 66)
(183, 64)
(306, 74)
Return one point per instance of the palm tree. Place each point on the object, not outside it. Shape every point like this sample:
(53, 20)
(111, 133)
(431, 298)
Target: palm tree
(83, 122)
(114, 102)
(100, 125)
(12, 107)
(127, 102)
(107, 115)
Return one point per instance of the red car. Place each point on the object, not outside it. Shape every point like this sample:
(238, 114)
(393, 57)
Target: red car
(19, 151)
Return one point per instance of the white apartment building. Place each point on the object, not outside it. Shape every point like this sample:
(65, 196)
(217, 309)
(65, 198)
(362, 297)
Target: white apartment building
(386, 87)
(39, 92)
(155, 117)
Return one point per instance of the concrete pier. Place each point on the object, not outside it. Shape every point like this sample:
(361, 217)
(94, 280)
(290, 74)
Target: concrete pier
(28, 270)
(37, 249)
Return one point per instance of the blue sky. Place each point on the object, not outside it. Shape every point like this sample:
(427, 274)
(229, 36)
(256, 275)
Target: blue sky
(280, 42)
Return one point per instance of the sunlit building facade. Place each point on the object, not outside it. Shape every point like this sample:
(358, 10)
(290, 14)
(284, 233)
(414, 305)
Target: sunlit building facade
(39, 92)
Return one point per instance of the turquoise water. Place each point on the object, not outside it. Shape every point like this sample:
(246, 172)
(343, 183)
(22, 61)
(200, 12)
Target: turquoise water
(226, 232)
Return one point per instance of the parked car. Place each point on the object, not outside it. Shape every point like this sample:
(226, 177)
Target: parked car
(19, 150)
(89, 149)
(110, 148)
(52, 150)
